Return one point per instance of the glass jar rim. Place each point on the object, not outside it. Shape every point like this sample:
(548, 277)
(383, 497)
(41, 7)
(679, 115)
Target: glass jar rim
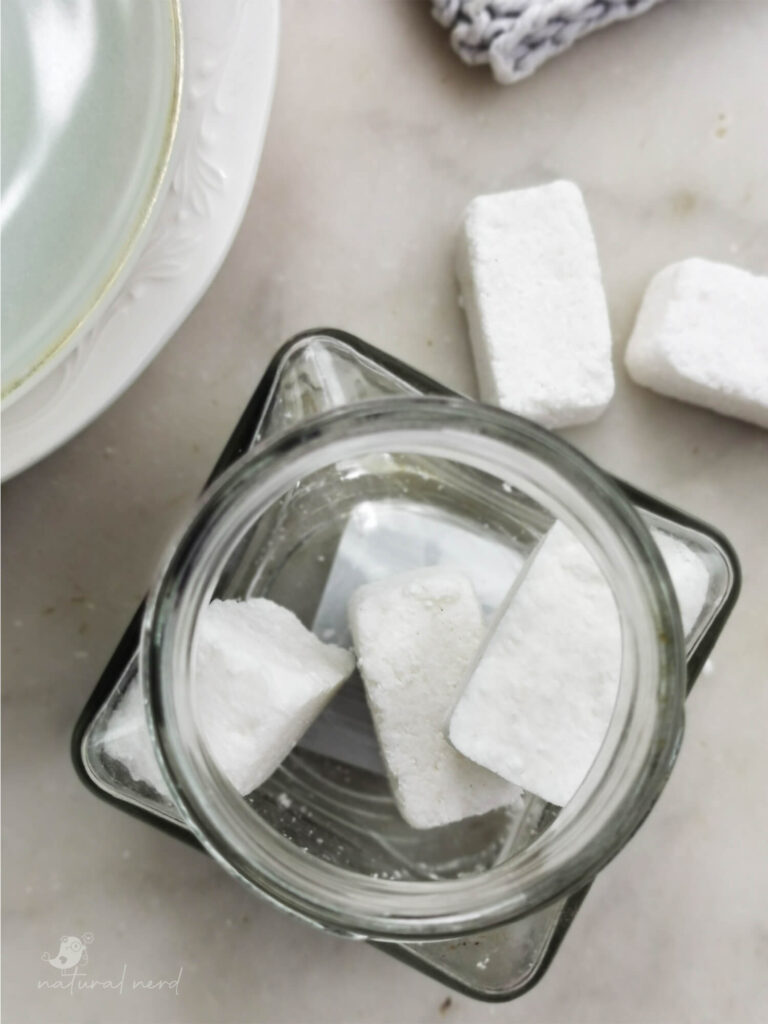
(639, 749)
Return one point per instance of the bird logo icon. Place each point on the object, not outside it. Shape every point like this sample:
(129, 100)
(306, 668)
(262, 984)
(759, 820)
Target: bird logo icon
(72, 952)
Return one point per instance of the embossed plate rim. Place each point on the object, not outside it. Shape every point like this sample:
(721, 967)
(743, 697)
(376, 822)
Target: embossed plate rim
(230, 71)
(135, 232)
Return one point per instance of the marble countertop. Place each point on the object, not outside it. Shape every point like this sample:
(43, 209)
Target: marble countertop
(378, 138)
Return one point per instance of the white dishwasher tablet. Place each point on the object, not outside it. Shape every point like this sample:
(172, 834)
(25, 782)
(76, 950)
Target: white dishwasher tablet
(538, 703)
(416, 634)
(533, 294)
(260, 680)
(702, 336)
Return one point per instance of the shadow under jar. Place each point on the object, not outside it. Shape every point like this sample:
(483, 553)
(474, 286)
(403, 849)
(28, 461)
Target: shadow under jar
(340, 441)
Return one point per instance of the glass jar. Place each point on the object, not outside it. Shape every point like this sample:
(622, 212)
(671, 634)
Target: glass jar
(351, 463)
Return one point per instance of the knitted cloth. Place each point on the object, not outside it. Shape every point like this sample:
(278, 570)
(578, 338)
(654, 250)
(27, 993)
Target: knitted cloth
(516, 36)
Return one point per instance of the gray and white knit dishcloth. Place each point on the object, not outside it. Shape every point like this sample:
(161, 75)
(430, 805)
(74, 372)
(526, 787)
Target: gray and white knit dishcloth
(517, 36)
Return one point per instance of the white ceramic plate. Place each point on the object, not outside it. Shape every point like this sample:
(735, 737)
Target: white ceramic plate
(90, 100)
(230, 53)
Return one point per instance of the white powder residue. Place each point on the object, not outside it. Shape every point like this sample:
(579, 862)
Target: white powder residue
(689, 576)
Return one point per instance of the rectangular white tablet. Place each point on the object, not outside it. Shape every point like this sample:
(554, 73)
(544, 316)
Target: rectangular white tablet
(702, 336)
(538, 704)
(416, 634)
(533, 294)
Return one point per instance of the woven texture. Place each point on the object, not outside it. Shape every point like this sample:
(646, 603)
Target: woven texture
(517, 36)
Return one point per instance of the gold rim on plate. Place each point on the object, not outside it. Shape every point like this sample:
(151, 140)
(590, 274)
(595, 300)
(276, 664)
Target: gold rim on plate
(130, 248)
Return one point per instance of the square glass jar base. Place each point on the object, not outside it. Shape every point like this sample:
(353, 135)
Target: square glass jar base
(314, 372)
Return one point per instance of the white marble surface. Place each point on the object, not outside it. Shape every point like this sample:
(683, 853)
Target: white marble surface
(378, 139)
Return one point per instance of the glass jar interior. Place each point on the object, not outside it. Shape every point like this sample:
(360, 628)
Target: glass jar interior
(348, 524)
(323, 832)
